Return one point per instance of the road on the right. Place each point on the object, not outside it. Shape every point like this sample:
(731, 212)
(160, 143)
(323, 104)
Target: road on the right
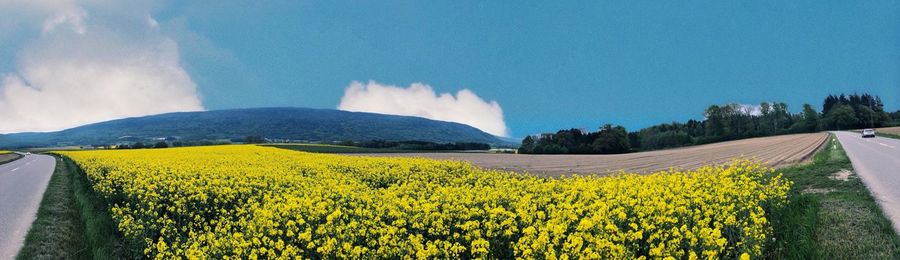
(877, 162)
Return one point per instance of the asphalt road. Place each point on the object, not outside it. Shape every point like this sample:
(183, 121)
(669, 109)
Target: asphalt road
(22, 185)
(877, 162)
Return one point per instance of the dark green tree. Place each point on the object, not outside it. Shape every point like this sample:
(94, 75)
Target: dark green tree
(252, 139)
(841, 117)
(612, 139)
(781, 117)
(809, 119)
(714, 121)
(765, 119)
(527, 145)
(868, 118)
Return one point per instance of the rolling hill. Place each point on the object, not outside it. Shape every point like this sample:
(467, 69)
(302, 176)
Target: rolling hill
(280, 123)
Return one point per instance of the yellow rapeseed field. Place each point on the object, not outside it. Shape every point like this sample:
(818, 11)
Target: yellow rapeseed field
(241, 201)
(4, 152)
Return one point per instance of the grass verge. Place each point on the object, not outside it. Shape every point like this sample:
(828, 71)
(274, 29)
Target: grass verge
(830, 215)
(888, 135)
(72, 222)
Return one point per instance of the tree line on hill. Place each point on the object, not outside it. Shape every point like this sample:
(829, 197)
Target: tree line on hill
(420, 145)
(721, 123)
(399, 145)
(141, 145)
(254, 139)
(158, 144)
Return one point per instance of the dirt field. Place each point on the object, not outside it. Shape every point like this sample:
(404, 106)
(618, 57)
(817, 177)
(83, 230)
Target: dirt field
(889, 130)
(4, 158)
(777, 151)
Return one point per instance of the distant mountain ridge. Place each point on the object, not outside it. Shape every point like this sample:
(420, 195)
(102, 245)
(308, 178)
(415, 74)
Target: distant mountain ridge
(280, 122)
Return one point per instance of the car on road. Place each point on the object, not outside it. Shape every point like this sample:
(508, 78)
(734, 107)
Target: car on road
(866, 133)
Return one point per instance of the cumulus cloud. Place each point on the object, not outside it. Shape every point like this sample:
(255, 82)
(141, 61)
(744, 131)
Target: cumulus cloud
(82, 68)
(73, 17)
(753, 110)
(420, 100)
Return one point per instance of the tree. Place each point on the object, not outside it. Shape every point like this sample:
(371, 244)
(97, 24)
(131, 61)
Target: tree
(765, 108)
(829, 103)
(765, 119)
(809, 119)
(161, 144)
(252, 139)
(527, 145)
(781, 116)
(867, 117)
(841, 117)
(634, 139)
(722, 123)
(714, 124)
(611, 140)
(138, 145)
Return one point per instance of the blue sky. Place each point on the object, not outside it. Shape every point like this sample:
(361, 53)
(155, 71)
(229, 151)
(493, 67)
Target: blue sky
(548, 64)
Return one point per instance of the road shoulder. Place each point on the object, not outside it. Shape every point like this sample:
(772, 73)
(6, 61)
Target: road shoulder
(72, 222)
(55, 234)
(831, 214)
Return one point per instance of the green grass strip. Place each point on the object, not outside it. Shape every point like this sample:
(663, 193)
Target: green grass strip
(72, 221)
(57, 231)
(888, 135)
(829, 217)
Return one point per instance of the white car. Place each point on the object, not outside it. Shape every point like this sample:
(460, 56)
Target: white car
(28, 153)
(866, 133)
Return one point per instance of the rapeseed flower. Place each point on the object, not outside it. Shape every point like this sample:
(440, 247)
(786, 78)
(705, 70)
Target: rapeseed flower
(247, 201)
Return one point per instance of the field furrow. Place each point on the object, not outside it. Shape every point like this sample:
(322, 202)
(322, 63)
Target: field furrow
(776, 151)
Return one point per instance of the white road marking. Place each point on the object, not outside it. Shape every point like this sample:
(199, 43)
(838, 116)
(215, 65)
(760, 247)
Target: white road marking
(886, 145)
(14, 169)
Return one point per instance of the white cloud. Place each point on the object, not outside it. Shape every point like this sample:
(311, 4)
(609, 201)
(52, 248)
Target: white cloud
(82, 69)
(753, 110)
(420, 100)
(152, 22)
(73, 17)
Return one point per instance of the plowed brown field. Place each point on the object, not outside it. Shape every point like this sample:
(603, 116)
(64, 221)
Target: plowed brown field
(889, 130)
(776, 151)
(8, 157)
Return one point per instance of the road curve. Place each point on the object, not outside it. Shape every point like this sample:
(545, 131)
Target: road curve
(877, 162)
(22, 185)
